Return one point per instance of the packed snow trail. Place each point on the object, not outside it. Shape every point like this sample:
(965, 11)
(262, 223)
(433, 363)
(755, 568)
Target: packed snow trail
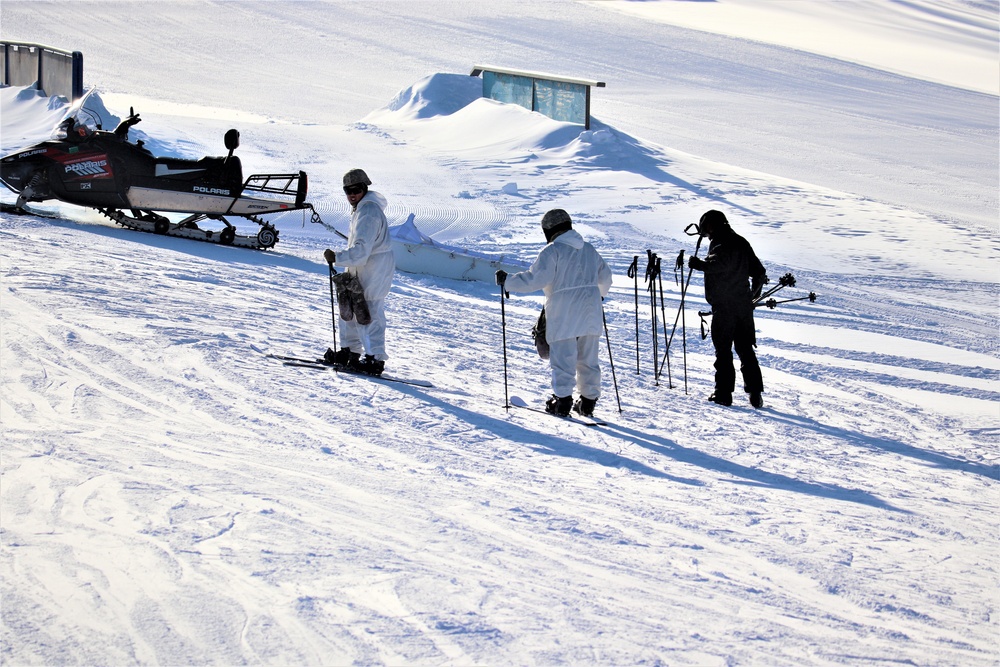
(269, 522)
(167, 498)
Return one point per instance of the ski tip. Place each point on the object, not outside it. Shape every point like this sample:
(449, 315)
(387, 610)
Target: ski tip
(518, 402)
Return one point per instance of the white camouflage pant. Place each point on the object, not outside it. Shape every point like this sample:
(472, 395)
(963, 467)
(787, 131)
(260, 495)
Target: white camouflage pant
(574, 363)
(366, 339)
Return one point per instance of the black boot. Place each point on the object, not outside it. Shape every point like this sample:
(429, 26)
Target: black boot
(343, 357)
(756, 399)
(721, 397)
(585, 406)
(559, 405)
(369, 365)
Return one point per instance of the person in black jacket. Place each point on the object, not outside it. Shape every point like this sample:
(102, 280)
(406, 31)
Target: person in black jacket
(728, 266)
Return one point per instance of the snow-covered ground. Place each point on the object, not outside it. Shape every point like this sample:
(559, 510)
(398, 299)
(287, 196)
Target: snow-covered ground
(169, 496)
(953, 42)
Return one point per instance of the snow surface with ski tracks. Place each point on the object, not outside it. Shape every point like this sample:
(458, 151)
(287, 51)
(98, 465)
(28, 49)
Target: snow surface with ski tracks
(171, 496)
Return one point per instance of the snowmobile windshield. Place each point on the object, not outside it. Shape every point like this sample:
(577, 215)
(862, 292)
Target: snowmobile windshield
(79, 126)
(70, 130)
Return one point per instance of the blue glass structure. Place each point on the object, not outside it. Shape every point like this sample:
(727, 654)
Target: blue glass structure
(558, 97)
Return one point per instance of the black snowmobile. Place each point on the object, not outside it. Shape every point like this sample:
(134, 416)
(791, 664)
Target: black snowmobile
(127, 183)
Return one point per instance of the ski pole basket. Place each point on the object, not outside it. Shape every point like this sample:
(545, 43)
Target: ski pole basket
(280, 184)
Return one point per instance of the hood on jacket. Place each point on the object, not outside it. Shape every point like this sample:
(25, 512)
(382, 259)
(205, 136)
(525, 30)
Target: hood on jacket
(571, 238)
(376, 198)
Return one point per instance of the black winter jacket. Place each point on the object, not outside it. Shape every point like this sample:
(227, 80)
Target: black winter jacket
(728, 267)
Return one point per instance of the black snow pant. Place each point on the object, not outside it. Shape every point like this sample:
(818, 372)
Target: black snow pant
(734, 327)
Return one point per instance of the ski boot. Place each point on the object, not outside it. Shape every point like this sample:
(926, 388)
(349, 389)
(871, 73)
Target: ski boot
(369, 365)
(756, 399)
(585, 406)
(559, 405)
(344, 357)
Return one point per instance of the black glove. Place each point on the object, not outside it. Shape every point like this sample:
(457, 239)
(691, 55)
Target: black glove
(330, 256)
(756, 287)
(501, 277)
(696, 262)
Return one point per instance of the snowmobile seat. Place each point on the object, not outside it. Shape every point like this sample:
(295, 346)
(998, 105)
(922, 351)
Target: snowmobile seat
(232, 170)
(221, 170)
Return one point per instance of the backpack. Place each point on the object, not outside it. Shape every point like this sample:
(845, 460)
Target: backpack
(538, 333)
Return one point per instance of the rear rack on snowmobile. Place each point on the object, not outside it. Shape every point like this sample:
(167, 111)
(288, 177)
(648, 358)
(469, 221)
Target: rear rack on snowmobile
(280, 184)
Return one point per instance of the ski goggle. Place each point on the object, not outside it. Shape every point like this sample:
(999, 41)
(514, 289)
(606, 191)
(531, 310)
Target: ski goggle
(354, 189)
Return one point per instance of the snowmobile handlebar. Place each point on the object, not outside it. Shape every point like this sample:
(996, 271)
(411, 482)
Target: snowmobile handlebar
(123, 127)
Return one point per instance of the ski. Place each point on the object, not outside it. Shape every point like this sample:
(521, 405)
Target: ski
(517, 402)
(320, 364)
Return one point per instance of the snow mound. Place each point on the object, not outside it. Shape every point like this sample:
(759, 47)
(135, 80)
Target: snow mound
(28, 116)
(458, 120)
(436, 95)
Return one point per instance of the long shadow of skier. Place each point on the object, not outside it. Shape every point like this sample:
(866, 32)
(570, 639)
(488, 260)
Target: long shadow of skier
(745, 474)
(937, 459)
(540, 442)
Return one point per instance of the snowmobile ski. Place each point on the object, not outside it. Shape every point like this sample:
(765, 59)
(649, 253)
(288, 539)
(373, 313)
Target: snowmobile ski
(25, 210)
(320, 364)
(518, 402)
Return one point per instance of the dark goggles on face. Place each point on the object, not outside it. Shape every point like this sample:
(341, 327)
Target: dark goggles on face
(354, 189)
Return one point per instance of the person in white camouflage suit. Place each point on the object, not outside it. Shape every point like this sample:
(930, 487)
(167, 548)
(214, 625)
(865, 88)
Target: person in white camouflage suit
(575, 279)
(369, 256)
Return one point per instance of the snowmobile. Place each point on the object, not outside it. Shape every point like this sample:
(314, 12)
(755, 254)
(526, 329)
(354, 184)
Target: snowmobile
(127, 183)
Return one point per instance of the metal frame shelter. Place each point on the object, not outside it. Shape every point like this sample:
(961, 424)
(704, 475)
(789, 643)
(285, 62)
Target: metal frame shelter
(558, 97)
(51, 70)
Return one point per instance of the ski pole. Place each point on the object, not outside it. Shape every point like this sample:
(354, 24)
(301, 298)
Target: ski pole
(771, 303)
(614, 378)
(633, 272)
(680, 308)
(663, 314)
(333, 306)
(503, 326)
(684, 338)
(787, 280)
(684, 346)
(678, 267)
(651, 288)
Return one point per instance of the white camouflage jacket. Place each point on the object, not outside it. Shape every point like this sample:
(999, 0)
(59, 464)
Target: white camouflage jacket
(574, 277)
(369, 250)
